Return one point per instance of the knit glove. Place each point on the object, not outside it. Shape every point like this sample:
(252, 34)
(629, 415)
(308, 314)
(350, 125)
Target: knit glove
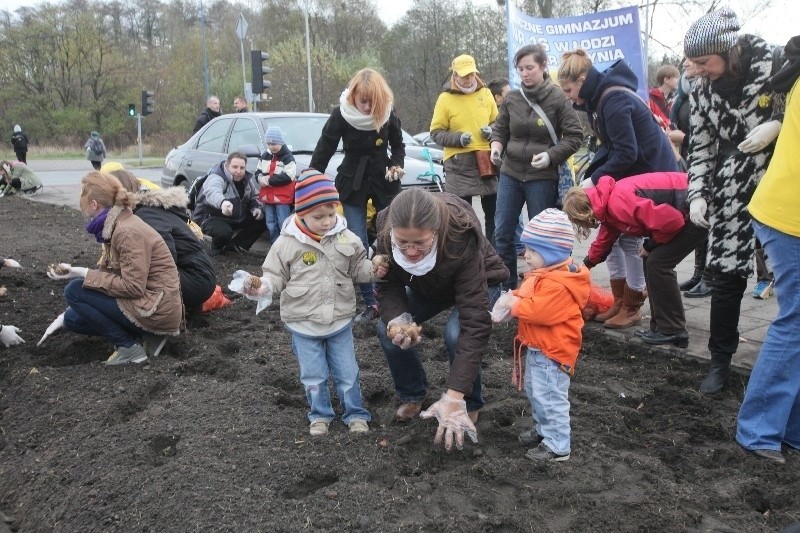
(760, 137)
(496, 156)
(540, 161)
(226, 208)
(66, 271)
(465, 139)
(453, 422)
(9, 336)
(257, 213)
(486, 133)
(697, 212)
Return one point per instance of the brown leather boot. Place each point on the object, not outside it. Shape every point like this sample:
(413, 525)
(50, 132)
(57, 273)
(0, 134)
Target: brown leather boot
(630, 313)
(617, 289)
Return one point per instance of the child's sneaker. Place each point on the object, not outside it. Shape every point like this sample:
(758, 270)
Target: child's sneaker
(529, 436)
(318, 428)
(764, 289)
(358, 425)
(543, 453)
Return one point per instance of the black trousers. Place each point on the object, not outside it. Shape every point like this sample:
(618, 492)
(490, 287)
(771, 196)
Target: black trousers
(22, 155)
(222, 230)
(489, 206)
(726, 304)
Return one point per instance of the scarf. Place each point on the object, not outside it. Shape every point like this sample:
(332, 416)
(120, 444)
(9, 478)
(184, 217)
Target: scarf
(96, 225)
(420, 268)
(301, 225)
(359, 120)
(466, 90)
(784, 79)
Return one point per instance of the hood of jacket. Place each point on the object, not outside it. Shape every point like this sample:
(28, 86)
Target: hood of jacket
(618, 74)
(165, 198)
(290, 228)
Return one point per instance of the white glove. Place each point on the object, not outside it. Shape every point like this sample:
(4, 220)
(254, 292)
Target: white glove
(465, 139)
(70, 272)
(540, 161)
(394, 173)
(9, 337)
(587, 183)
(257, 213)
(486, 133)
(263, 180)
(226, 208)
(501, 312)
(453, 422)
(10, 263)
(697, 212)
(496, 157)
(57, 324)
(760, 137)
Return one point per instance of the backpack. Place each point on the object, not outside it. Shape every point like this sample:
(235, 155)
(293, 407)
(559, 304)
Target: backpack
(96, 146)
(194, 190)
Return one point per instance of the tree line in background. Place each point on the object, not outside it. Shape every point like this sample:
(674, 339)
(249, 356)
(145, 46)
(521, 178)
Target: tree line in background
(74, 67)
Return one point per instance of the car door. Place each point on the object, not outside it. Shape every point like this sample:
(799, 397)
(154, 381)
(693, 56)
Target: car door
(245, 131)
(209, 149)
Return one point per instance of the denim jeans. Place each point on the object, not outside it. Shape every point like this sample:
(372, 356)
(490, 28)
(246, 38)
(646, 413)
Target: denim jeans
(770, 412)
(356, 217)
(511, 195)
(518, 246)
(624, 262)
(274, 216)
(334, 356)
(97, 314)
(405, 366)
(547, 388)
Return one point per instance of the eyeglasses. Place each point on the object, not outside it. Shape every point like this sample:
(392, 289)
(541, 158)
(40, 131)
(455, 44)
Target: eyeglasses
(418, 247)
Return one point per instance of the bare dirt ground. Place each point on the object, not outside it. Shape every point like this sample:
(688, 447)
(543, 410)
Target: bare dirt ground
(213, 435)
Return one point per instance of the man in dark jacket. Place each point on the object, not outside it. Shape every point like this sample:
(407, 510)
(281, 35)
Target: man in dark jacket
(228, 201)
(240, 105)
(211, 112)
(20, 142)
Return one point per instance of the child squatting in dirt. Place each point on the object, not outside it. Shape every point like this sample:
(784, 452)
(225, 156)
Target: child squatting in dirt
(313, 266)
(548, 307)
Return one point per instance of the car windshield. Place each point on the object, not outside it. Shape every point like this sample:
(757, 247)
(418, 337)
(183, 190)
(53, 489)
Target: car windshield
(301, 133)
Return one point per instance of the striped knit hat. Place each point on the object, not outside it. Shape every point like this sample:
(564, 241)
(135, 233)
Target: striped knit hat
(313, 189)
(713, 33)
(550, 233)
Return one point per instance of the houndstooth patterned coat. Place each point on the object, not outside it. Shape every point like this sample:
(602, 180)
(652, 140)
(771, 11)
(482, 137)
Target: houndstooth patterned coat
(721, 174)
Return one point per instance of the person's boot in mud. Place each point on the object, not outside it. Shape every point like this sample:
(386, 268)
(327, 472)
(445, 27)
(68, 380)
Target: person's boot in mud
(718, 374)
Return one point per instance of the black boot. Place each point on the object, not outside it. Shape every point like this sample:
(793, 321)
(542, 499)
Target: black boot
(701, 290)
(717, 376)
(691, 282)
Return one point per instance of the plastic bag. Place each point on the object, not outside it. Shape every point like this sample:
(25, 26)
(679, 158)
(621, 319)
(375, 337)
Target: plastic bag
(253, 288)
(600, 301)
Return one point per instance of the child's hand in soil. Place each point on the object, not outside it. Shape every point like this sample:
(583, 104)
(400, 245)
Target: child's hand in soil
(453, 422)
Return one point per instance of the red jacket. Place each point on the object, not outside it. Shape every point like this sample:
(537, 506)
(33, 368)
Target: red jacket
(648, 205)
(660, 108)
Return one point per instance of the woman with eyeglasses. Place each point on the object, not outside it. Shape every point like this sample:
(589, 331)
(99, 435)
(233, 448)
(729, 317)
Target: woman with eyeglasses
(439, 261)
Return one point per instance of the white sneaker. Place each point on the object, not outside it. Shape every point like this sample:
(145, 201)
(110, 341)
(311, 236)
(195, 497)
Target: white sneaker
(318, 428)
(358, 425)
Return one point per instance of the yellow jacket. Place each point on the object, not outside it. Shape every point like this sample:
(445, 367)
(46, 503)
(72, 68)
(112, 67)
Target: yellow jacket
(776, 201)
(464, 113)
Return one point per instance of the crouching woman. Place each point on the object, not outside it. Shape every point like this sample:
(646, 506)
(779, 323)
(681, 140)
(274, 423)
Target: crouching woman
(133, 298)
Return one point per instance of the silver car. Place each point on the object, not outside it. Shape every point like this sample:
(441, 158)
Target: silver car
(244, 132)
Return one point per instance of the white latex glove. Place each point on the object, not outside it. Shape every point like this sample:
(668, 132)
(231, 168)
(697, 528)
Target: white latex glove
(257, 213)
(760, 137)
(501, 312)
(453, 422)
(226, 208)
(9, 336)
(72, 272)
(10, 263)
(587, 183)
(394, 173)
(403, 332)
(486, 133)
(465, 139)
(697, 212)
(540, 161)
(496, 157)
(57, 324)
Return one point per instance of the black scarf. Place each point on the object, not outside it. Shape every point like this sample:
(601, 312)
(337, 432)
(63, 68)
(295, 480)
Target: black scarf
(784, 79)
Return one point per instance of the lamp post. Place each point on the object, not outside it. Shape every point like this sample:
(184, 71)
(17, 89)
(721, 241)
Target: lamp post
(206, 88)
(308, 61)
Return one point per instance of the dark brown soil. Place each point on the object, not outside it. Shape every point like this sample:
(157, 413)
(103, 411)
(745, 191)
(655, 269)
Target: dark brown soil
(213, 435)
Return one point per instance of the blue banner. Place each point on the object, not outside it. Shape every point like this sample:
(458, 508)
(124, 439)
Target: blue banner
(606, 36)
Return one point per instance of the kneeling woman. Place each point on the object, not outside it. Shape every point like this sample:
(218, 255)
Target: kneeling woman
(440, 260)
(134, 297)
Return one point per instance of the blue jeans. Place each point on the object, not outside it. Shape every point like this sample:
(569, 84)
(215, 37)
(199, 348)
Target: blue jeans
(511, 195)
(274, 216)
(356, 217)
(770, 412)
(334, 356)
(97, 314)
(405, 366)
(547, 388)
(518, 246)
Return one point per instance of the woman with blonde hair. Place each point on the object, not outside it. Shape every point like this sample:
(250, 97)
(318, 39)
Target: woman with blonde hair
(366, 125)
(632, 143)
(133, 298)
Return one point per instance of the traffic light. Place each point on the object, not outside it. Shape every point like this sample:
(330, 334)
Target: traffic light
(147, 103)
(131, 110)
(257, 59)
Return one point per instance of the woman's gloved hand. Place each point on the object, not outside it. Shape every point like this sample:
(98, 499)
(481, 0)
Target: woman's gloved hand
(66, 271)
(453, 422)
(403, 331)
(496, 156)
(465, 139)
(540, 160)
(760, 137)
(9, 336)
(10, 263)
(57, 324)
(486, 133)
(697, 212)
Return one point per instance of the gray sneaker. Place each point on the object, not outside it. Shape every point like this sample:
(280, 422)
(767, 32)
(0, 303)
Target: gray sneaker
(133, 354)
(153, 343)
(542, 453)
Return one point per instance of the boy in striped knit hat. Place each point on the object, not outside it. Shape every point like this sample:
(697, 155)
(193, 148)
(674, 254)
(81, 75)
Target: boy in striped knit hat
(548, 307)
(313, 265)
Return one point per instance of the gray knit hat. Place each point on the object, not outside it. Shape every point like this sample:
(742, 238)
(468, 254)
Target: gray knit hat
(713, 33)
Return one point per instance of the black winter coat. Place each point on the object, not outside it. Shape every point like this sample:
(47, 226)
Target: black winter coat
(204, 118)
(362, 174)
(19, 140)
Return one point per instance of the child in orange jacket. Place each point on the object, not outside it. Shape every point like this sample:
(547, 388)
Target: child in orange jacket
(548, 306)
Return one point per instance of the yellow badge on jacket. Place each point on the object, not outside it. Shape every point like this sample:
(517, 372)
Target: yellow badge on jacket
(310, 258)
(378, 142)
(342, 238)
(764, 100)
(539, 122)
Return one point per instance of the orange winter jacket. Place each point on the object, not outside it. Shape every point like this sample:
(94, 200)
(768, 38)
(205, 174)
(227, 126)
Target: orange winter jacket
(549, 311)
